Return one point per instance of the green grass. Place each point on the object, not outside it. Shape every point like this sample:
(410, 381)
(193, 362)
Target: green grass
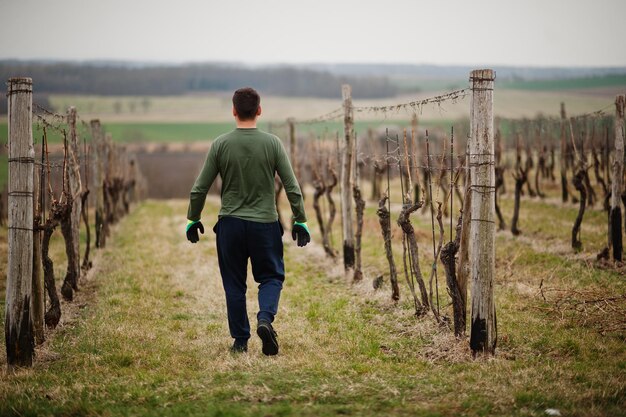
(153, 339)
(137, 132)
(567, 84)
(190, 132)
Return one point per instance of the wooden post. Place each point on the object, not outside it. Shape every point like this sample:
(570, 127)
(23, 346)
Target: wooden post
(346, 177)
(18, 324)
(463, 267)
(37, 301)
(75, 186)
(360, 207)
(107, 184)
(70, 226)
(415, 158)
(98, 179)
(617, 186)
(292, 145)
(483, 228)
(564, 190)
(108, 159)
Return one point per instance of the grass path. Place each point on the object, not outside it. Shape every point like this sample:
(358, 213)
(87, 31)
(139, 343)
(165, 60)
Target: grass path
(151, 338)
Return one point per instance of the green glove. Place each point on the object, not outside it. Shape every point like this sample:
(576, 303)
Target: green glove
(301, 232)
(192, 230)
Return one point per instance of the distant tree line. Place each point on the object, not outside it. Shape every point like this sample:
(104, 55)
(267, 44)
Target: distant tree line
(77, 78)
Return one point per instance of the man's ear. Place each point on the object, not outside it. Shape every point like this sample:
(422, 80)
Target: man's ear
(234, 112)
(258, 111)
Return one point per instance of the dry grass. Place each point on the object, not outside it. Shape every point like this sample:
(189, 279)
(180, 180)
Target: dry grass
(151, 337)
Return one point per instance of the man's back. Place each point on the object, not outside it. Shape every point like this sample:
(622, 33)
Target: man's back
(247, 160)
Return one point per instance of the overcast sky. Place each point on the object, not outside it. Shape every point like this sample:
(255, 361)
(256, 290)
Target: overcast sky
(494, 32)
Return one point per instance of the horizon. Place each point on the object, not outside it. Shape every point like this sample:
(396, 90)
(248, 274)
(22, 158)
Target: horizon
(157, 63)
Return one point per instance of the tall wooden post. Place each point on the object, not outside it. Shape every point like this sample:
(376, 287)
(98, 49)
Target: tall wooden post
(70, 226)
(75, 182)
(37, 300)
(415, 158)
(108, 158)
(18, 324)
(360, 207)
(564, 190)
(346, 187)
(463, 267)
(483, 227)
(292, 145)
(98, 179)
(617, 186)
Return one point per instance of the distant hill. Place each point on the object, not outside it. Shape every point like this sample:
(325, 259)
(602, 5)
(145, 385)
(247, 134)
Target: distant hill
(114, 78)
(559, 84)
(438, 77)
(461, 71)
(321, 80)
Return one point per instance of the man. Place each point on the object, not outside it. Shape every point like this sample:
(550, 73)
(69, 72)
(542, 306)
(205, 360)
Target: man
(247, 160)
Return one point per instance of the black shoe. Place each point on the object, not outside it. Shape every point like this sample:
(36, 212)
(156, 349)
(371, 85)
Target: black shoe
(268, 337)
(239, 347)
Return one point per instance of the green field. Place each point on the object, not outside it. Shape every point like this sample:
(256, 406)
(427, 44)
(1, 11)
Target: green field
(190, 132)
(137, 132)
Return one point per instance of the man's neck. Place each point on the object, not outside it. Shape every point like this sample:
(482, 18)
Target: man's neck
(246, 124)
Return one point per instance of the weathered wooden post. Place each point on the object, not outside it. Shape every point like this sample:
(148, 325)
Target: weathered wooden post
(98, 175)
(108, 168)
(564, 190)
(76, 187)
(18, 324)
(617, 186)
(415, 156)
(292, 146)
(346, 188)
(360, 207)
(71, 227)
(483, 227)
(37, 300)
(463, 267)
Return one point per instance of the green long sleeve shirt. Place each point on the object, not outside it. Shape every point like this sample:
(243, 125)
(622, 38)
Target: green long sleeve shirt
(247, 161)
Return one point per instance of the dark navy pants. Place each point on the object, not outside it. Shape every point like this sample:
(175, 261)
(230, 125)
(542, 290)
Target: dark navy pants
(238, 240)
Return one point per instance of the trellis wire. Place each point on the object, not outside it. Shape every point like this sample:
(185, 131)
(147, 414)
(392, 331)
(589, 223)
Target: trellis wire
(46, 123)
(415, 105)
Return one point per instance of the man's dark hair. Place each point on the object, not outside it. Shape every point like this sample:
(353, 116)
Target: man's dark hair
(246, 102)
